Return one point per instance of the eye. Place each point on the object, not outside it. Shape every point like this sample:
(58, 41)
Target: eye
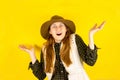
(61, 25)
(53, 26)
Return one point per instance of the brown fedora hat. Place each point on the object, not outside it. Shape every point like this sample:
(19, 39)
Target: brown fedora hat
(45, 26)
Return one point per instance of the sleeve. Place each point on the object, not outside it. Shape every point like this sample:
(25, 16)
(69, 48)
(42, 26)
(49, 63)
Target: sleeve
(38, 68)
(88, 56)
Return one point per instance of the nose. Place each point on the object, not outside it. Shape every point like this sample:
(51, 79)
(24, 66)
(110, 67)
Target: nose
(58, 28)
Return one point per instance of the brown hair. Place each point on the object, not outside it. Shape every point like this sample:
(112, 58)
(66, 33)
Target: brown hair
(64, 51)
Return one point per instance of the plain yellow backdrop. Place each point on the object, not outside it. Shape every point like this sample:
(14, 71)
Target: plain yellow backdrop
(20, 22)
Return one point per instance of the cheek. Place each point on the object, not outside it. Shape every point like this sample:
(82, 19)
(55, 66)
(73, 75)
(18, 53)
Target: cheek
(64, 30)
(52, 33)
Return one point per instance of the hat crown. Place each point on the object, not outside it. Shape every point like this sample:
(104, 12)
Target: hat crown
(57, 17)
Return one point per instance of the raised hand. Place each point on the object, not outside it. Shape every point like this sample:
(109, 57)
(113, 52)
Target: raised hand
(92, 32)
(96, 29)
(29, 50)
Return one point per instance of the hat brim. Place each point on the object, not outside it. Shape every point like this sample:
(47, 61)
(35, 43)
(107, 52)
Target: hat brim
(45, 27)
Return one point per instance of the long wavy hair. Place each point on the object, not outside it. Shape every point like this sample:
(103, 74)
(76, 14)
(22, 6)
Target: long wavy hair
(64, 51)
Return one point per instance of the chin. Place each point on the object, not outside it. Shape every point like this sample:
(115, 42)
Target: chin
(59, 39)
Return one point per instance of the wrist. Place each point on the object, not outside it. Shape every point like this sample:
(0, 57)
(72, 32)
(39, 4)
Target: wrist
(33, 58)
(32, 55)
(91, 34)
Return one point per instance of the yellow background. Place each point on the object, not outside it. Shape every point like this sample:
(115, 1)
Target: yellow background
(20, 22)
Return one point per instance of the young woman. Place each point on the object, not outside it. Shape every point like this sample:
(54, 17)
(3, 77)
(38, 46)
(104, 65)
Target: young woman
(64, 51)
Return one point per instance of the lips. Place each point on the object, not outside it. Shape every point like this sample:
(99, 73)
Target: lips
(58, 34)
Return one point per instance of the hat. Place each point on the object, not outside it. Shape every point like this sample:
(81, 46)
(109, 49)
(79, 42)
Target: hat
(45, 26)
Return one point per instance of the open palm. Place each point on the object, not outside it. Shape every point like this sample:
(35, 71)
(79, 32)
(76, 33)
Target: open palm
(26, 49)
(96, 29)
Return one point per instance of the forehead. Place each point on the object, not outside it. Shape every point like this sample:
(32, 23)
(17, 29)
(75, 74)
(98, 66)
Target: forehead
(57, 23)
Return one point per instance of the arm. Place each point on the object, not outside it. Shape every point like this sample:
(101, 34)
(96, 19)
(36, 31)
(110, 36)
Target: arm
(92, 32)
(38, 68)
(88, 55)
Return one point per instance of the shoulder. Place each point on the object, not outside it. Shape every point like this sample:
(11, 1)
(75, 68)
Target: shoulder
(76, 36)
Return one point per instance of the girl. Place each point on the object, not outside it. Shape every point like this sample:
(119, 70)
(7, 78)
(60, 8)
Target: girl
(64, 51)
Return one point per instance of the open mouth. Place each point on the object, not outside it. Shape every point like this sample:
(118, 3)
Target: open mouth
(58, 34)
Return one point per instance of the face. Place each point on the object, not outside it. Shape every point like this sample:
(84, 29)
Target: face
(58, 31)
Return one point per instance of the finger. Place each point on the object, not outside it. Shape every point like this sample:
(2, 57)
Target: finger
(24, 49)
(22, 46)
(94, 26)
(102, 25)
(37, 47)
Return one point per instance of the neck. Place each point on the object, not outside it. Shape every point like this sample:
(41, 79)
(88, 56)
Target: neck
(58, 41)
